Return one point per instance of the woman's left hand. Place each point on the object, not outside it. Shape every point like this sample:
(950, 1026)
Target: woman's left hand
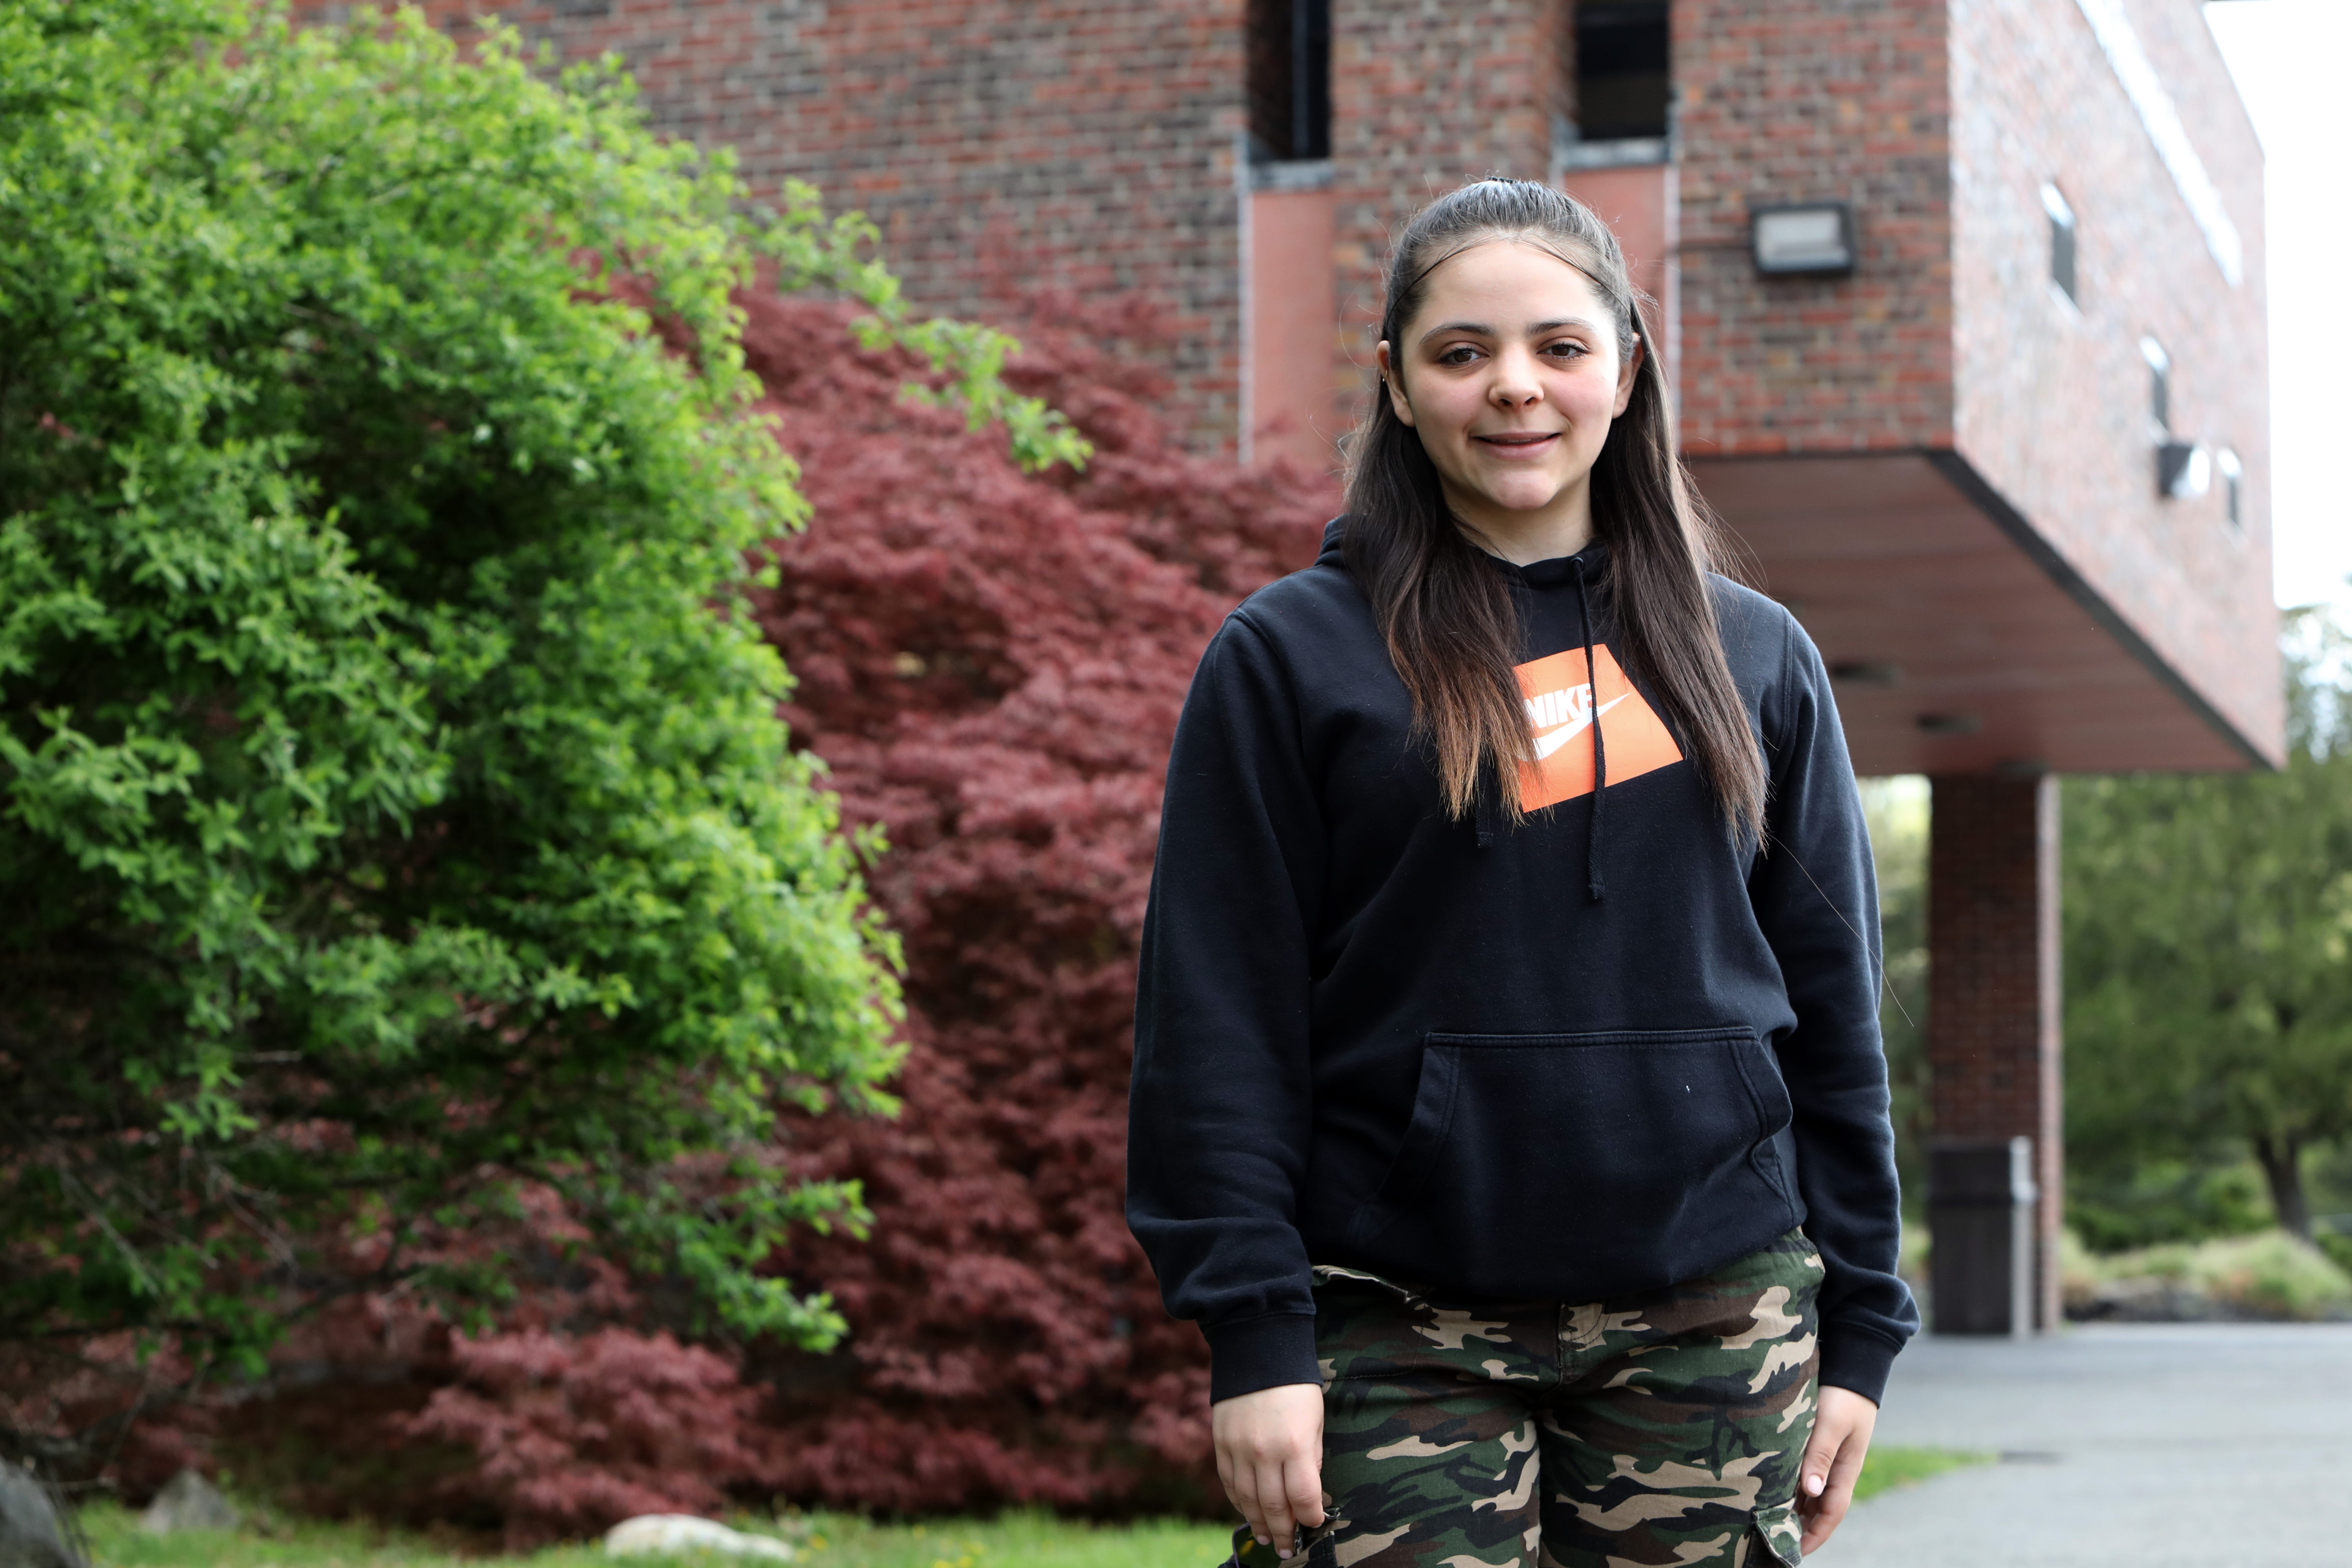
(1841, 1428)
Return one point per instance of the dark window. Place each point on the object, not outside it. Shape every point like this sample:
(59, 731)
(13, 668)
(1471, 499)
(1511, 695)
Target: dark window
(1622, 70)
(2061, 241)
(2159, 381)
(2233, 489)
(1290, 81)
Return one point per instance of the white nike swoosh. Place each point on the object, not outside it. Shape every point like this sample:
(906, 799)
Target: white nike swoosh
(1553, 739)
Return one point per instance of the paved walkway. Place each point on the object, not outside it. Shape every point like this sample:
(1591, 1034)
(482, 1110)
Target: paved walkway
(2143, 1446)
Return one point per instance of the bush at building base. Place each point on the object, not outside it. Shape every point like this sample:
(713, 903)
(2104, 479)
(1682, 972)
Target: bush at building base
(2268, 1277)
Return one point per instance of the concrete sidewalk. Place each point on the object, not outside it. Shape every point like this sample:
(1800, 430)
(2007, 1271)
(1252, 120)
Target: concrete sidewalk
(2142, 1446)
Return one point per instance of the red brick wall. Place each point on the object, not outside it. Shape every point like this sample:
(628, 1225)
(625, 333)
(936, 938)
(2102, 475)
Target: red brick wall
(2053, 398)
(1993, 998)
(1081, 144)
(1425, 97)
(1832, 100)
(1092, 144)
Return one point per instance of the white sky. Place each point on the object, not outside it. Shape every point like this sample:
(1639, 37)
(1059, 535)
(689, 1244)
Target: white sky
(2289, 57)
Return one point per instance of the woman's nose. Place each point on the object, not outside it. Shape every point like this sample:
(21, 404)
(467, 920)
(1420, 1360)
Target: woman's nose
(1516, 383)
(1515, 393)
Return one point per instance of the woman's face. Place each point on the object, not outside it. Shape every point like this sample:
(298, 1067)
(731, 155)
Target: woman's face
(1509, 372)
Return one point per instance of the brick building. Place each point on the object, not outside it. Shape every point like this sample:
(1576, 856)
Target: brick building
(1963, 302)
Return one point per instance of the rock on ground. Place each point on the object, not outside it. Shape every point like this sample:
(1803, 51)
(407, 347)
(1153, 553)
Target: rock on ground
(659, 1533)
(188, 1501)
(30, 1533)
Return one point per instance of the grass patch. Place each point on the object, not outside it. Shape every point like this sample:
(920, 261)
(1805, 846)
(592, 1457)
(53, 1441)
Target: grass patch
(826, 1540)
(1887, 1466)
(1015, 1541)
(117, 1542)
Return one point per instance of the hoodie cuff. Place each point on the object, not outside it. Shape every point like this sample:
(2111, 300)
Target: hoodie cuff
(1262, 1352)
(1858, 1360)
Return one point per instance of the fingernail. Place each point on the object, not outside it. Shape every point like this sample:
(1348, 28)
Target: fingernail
(1814, 1485)
(1263, 1540)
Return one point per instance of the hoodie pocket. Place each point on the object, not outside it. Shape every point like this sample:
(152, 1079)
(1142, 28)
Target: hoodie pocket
(1580, 1166)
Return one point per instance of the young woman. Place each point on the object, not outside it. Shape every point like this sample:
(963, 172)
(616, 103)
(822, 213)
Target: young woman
(1510, 1106)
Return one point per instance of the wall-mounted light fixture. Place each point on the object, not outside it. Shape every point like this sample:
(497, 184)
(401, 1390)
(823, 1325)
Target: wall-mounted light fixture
(1802, 238)
(2184, 469)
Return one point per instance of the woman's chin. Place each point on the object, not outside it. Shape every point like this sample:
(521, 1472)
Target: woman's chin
(1520, 499)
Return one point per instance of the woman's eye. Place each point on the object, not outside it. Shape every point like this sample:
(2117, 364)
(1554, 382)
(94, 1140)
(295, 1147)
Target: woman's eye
(1460, 354)
(1567, 351)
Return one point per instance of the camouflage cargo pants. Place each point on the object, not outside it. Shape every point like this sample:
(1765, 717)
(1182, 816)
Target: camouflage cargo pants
(1661, 1429)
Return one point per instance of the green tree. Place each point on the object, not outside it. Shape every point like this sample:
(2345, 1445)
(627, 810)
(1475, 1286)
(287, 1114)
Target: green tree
(393, 805)
(2208, 949)
(1896, 809)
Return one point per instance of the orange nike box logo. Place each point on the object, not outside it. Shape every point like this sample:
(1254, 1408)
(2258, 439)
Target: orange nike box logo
(1561, 706)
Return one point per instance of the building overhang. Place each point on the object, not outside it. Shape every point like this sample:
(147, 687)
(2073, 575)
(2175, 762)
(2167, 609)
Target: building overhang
(1961, 641)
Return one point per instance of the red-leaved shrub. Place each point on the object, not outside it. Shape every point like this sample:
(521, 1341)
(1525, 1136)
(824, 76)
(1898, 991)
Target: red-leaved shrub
(572, 1435)
(992, 665)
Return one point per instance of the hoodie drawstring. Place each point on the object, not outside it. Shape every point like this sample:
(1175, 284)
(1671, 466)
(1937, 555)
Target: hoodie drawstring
(1600, 752)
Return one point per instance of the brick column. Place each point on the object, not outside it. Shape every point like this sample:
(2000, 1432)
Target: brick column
(1992, 1009)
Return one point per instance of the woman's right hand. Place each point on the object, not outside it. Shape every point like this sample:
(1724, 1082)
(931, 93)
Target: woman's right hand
(1270, 1456)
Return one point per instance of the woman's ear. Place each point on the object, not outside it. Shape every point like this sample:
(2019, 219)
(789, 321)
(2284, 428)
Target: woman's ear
(1626, 375)
(1395, 384)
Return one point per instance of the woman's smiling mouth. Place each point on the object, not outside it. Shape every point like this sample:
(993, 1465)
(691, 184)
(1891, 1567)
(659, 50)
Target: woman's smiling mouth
(1520, 443)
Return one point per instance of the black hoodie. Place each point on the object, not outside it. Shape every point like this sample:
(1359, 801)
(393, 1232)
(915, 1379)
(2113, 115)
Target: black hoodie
(1599, 1054)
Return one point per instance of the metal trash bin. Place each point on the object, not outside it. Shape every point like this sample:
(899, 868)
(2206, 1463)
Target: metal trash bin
(1980, 1202)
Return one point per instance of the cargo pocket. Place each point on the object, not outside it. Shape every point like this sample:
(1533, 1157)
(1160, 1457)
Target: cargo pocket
(1581, 1166)
(1778, 1534)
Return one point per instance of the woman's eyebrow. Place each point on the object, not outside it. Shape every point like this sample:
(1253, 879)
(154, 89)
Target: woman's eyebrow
(1476, 329)
(1481, 330)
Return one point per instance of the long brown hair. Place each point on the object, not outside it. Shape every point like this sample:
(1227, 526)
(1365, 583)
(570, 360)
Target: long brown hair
(1448, 616)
